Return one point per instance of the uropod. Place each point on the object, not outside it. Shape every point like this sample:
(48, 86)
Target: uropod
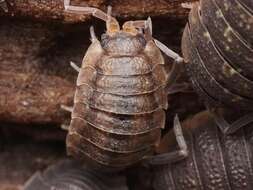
(121, 95)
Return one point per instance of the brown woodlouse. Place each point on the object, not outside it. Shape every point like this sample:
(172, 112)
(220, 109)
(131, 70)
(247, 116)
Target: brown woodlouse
(121, 95)
(71, 175)
(215, 161)
(217, 44)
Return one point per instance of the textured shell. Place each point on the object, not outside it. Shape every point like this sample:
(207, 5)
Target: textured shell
(70, 175)
(215, 161)
(217, 43)
(119, 102)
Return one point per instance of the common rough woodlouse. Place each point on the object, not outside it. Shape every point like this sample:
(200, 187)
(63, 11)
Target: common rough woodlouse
(217, 44)
(72, 175)
(121, 95)
(215, 161)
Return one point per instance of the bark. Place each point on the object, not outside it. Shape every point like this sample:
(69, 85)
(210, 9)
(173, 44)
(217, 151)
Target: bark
(53, 9)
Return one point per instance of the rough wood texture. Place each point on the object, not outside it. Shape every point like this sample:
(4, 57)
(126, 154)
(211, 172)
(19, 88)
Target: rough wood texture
(53, 9)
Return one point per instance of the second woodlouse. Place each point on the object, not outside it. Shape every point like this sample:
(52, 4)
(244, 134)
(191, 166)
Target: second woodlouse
(72, 175)
(121, 95)
(215, 161)
(219, 53)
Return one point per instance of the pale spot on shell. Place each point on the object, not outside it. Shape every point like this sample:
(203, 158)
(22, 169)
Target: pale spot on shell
(218, 14)
(227, 31)
(207, 35)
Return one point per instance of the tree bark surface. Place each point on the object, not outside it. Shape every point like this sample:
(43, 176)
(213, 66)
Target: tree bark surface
(53, 9)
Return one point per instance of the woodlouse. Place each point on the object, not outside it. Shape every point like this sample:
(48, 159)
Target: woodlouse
(121, 95)
(217, 44)
(71, 175)
(215, 161)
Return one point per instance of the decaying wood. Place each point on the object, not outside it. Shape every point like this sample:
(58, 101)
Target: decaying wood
(53, 9)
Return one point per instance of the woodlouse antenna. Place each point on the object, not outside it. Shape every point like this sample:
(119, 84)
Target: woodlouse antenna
(111, 23)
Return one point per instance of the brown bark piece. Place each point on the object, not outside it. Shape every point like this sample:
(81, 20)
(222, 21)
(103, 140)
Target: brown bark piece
(53, 9)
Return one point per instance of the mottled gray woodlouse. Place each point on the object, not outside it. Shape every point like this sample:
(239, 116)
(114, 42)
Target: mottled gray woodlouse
(71, 175)
(121, 95)
(215, 161)
(217, 44)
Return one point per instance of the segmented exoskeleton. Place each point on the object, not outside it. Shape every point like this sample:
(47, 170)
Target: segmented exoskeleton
(71, 175)
(218, 46)
(215, 161)
(121, 95)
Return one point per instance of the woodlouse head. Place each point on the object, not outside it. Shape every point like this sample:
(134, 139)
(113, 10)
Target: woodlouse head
(123, 43)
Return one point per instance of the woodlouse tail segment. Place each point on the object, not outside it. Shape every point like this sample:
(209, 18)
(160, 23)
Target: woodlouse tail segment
(228, 128)
(171, 157)
(112, 24)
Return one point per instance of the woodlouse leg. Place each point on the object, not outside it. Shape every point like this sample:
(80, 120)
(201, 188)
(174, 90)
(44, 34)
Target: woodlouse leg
(74, 66)
(67, 108)
(111, 22)
(176, 68)
(177, 58)
(171, 157)
(227, 128)
(187, 5)
(92, 34)
(65, 127)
